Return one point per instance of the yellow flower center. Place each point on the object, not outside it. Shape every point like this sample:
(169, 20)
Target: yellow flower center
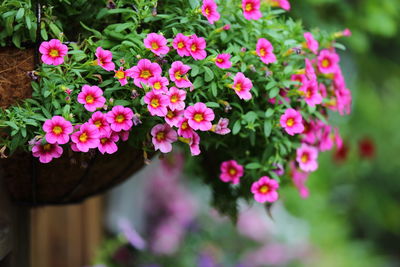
(198, 117)
(170, 114)
(120, 118)
(207, 10)
(184, 125)
(157, 85)
(54, 53)
(145, 74)
(154, 45)
(308, 93)
(178, 75)
(238, 87)
(83, 137)
(103, 140)
(120, 74)
(155, 103)
(98, 123)
(305, 157)
(232, 171)
(181, 45)
(194, 48)
(160, 136)
(174, 98)
(262, 52)
(290, 122)
(220, 60)
(326, 63)
(57, 130)
(47, 147)
(89, 99)
(249, 7)
(264, 189)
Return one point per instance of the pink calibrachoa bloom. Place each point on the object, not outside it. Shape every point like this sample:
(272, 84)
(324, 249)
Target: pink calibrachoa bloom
(196, 47)
(173, 117)
(156, 103)
(301, 78)
(91, 97)
(159, 84)
(310, 72)
(226, 27)
(199, 116)
(184, 129)
(121, 75)
(99, 120)
(53, 52)
(292, 121)
(86, 137)
(311, 43)
(221, 127)
(284, 4)
(120, 118)
(194, 144)
(124, 135)
(176, 98)
(242, 86)
(223, 61)
(156, 43)
(107, 143)
(310, 92)
(143, 71)
(251, 9)
(264, 190)
(299, 178)
(46, 152)
(178, 74)
(327, 61)
(180, 43)
(209, 10)
(163, 137)
(231, 171)
(307, 158)
(57, 130)
(104, 59)
(265, 51)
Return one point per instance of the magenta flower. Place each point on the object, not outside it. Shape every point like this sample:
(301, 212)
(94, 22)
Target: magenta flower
(223, 61)
(242, 86)
(264, 190)
(301, 78)
(57, 130)
(91, 97)
(173, 117)
(46, 152)
(176, 98)
(121, 75)
(299, 178)
(143, 71)
(86, 137)
(184, 128)
(226, 27)
(310, 92)
(310, 72)
(251, 9)
(107, 143)
(180, 43)
(99, 120)
(120, 118)
(156, 103)
(104, 59)
(265, 51)
(159, 84)
(163, 137)
(231, 171)
(209, 10)
(199, 116)
(284, 4)
(178, 74)
(311, 43)
(222, 127)
(156, 43)
(53, 52)
(307, 158)
(292, 121)
(194, 144)
(327, 61)
(196, 47)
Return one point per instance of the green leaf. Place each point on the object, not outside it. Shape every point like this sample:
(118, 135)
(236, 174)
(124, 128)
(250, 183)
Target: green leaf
(253, 166)
(209, 75)
(214, 89)
(212, 105)
(267, 128)
(195, 70)
(274, 92)
(55, 29)
(269, 112)
(20, 13)
(12, 125)
(122, 102)
(236, 128)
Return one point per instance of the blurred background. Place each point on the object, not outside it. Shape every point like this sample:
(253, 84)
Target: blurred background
(351, 218)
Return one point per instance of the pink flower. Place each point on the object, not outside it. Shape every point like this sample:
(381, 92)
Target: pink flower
(292, 121)
(242, 86)
(307, 158)
(184, 129)
(209, 10)
(284, 4)
(311, 43)
(156, 43)
(120, 118)
(194, 144)
(347, 32)
(265, 50)
(176, 98)
(91, 97)
(143, 71)
(226, 27)
(283, 93)
(310, 72)
(121, 75)
(180, 43)
(57, 130)
(99, 120)
(46, 152)
(326, 138)
(163, 137)
(231, 171)
(299, 178)
(222, 127)
(107, 143)
(264, 190)
(328, 61)
(86, 137)
(343, 101)
(159, 84)
(251, 9)
(301, 78)
(199, 116)
(196, 47)
(173, 117)
(223, 61)
(104, 59)
(124, 135)
(53, 52)
(311, 93)
(178, 74)
(156, 103)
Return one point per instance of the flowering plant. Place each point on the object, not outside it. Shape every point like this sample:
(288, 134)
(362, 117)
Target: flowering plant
(236, 82)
